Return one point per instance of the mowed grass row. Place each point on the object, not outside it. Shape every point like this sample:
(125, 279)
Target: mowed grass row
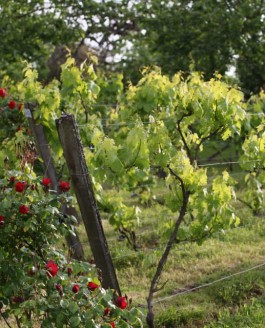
(189, 265)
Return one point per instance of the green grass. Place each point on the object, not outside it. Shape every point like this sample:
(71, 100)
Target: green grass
(247, 315)
(223, 304)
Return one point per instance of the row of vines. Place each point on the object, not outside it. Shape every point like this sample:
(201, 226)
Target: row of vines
(162, 131)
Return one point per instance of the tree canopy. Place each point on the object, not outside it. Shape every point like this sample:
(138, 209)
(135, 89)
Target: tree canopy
(208, 36)
(125, 35)
(32, 29)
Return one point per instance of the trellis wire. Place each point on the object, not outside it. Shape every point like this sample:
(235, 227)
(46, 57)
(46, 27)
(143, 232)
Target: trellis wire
(225, 163)
(209, 283)
(128, 123)
(91, 147)
(205, 285)
(228, 163)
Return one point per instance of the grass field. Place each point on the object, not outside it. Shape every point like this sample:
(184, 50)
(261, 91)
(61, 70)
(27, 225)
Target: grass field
(228, 266)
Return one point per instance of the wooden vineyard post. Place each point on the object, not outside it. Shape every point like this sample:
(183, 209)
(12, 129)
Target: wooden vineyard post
(42, 146)
(75, 159)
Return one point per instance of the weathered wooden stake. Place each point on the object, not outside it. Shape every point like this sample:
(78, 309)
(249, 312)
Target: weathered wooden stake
(73, 242)
(75, 159)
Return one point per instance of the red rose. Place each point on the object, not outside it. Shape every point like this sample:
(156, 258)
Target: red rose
(121, 302)
(46, 182)
(75, 288)
(2, 93)
(23, 209)
(2, 220)
(18, 299)
(112, 323)
(52, 269)
(107, 311)
(32, 271)
(64, 186)
(92, 286)
(32, 187)
(19, 186)
(59, 287)
(12, 104)
(69, 271)
(12, 179)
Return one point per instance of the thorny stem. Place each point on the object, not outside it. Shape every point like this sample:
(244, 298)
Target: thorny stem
(5, 320)
(18, 322)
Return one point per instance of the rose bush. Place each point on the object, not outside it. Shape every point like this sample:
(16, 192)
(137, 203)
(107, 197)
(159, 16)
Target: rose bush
(38, 284)
(11, 115)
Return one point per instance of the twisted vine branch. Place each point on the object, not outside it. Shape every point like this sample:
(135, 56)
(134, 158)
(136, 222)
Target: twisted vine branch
(154, 283)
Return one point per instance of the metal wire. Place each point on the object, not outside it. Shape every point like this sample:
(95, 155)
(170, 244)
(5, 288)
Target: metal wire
(209, 283)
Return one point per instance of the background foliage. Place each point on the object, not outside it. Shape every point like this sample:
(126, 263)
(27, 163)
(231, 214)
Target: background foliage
(205, 36)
